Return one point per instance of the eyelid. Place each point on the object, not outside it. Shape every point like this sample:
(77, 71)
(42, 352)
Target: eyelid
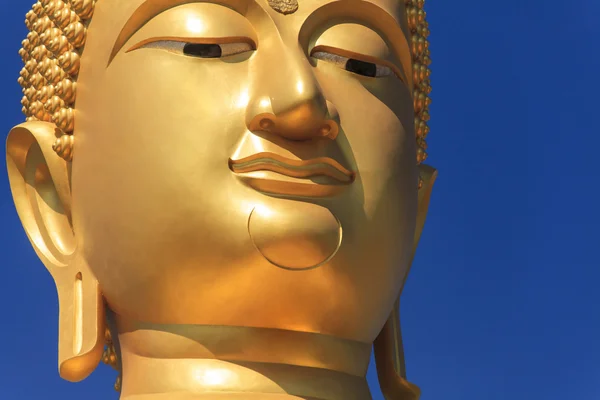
(219, 40)
(361, 57)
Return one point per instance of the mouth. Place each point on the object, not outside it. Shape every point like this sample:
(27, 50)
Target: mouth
(271, 173)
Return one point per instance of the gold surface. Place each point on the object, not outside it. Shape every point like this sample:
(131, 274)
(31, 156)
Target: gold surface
(230, 227)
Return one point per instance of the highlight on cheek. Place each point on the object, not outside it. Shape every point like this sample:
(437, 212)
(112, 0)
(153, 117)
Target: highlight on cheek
(243, 98)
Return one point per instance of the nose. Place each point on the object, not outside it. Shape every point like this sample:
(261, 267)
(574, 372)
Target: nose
(286, 98)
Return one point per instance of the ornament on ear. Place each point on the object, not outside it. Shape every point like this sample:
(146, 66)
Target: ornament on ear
(63, 146)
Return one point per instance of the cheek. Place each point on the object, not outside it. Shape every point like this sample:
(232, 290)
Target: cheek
(157, 100)
(142, 121)
(376, 117)
(377, 134)
(152, 144)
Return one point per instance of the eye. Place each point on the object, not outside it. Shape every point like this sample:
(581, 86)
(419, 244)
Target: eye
(354, 65)
(200, 50)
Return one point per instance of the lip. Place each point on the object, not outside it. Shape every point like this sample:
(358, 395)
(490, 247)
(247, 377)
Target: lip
(272, 173)
(304, 169)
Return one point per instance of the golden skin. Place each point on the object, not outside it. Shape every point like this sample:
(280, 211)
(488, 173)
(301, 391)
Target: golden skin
(228, 281)
(156, 206)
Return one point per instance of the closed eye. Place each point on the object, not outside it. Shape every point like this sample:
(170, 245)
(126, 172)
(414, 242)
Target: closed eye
(355, 63)
(204, 49)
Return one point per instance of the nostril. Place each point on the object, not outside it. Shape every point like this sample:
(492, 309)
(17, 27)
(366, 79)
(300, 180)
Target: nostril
(325, 130)
(266, 124)
(330, 129)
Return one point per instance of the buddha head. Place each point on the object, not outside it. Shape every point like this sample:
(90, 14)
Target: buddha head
(223, 162)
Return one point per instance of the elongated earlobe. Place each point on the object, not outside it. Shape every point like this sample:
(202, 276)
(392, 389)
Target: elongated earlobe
(389, 359)
(81, 321)
(40, 185)
(388, 348)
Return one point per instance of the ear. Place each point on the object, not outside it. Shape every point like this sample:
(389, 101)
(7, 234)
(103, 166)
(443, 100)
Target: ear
(428, 175)
(40, 184)
(389, 352)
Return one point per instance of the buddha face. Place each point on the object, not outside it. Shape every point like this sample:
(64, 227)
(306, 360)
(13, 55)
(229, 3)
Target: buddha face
(238, 166)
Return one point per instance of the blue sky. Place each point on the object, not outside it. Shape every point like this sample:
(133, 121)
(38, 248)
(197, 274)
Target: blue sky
(502, 299)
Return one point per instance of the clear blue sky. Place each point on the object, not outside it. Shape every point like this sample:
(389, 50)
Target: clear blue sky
(503, 298)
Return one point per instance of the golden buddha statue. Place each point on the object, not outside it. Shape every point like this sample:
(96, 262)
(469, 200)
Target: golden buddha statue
(227, 193)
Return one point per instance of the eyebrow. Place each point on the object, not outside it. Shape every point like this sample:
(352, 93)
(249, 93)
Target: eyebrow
(151, 8)
(383, 22)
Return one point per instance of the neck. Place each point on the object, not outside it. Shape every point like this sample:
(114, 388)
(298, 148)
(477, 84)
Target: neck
(204, 362)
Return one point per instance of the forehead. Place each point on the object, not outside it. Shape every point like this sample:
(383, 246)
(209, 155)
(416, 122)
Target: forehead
(120, 19)
(124, 9)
